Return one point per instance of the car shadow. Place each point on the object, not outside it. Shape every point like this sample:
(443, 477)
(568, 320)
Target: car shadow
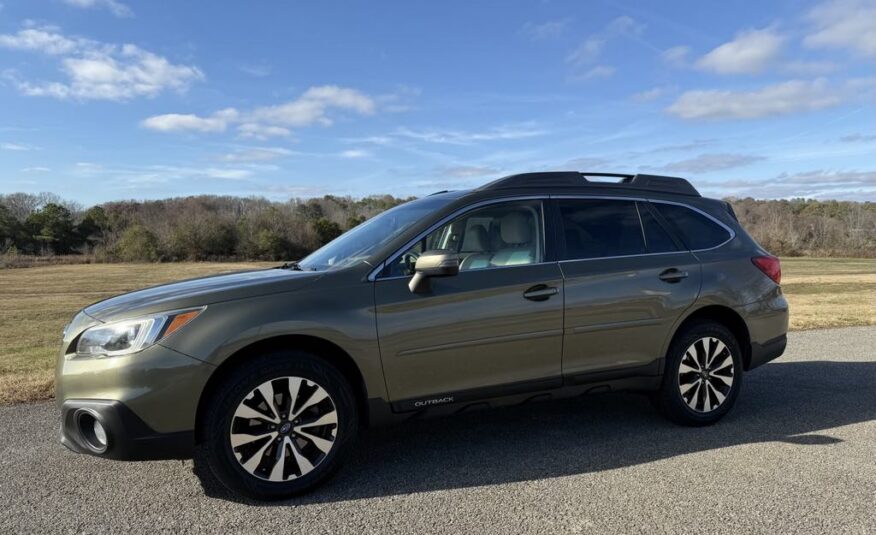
(787, 402)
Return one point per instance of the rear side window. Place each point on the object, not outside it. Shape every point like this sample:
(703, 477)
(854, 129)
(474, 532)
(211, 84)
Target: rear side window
(656, 238)
(595, 228)
(695, 230)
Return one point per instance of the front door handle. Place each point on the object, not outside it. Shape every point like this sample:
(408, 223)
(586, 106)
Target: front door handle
(673, 275)
(540, 292)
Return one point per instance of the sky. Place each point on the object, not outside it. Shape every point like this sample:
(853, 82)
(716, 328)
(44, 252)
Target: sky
(117, 99)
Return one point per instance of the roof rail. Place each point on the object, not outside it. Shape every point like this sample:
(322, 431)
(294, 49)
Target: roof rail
(575, 179)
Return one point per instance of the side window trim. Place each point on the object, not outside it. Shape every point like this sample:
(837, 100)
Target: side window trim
(377, 272)
(730, 232)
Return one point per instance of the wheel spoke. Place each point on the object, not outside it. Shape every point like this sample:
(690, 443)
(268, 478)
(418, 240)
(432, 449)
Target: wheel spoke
(318, 395)
(687, 387)
(690, 356)
(325, 419)
(718, 347)
(239, 439)
(304, 465)
(693, 400)
(707, 401)
(253, 462)
(245, 411)
(267, 392)
(719, 397)
(728, 381)
(279, 464)
(322, 444)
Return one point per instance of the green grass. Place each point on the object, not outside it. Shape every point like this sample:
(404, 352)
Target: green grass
(38, 302)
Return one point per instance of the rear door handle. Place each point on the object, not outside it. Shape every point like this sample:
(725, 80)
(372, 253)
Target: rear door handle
(673, 275)
(540, 292)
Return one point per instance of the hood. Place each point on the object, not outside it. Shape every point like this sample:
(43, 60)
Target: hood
(200, 292)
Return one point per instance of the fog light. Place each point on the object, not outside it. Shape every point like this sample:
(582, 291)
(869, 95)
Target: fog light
(92, 431)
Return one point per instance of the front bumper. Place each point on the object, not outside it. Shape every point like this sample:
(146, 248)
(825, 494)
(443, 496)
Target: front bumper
(147, 402)
(127, 437)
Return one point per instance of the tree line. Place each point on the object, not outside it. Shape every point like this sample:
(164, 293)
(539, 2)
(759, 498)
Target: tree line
(234, 228)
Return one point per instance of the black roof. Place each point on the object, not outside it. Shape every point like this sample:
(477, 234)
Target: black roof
(577, 180)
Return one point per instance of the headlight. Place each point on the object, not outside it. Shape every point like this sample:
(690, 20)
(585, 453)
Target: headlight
(130, 336)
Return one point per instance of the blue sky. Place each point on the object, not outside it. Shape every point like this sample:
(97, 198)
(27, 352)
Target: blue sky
(117, 99)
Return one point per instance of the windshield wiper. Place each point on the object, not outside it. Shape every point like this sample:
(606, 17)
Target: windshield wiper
(293, 266)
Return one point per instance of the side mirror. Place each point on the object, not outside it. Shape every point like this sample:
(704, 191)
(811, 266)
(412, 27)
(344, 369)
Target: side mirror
(433, 264)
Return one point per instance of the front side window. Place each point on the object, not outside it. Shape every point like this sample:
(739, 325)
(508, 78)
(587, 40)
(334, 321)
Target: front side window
(597, 228)
(363, 240)
(499, 235)
(695, 230)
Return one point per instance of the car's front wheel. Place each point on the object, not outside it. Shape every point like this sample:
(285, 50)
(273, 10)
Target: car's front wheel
(279, 425)
(703, 375)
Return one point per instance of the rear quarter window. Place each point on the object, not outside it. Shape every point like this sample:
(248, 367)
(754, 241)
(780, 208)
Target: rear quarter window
(694, 229)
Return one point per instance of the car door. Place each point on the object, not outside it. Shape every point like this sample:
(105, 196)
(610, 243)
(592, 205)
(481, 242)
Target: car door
(494, 328)
(627, 280)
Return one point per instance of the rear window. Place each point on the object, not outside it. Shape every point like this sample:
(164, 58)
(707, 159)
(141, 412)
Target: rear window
(595, 228)
(695, 230)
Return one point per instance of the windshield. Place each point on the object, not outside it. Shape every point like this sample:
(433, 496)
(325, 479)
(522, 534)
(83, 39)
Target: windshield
(362, 241)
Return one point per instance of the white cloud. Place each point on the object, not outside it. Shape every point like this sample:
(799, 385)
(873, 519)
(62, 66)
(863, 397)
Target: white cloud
(676, 56)
(600, 71)
(467, 171)
(97, 71)
(257, 154)
(649, 94)
(312, 107)
(819, 184)
(587, 52)
(705, 163)
(846, 24)
(858, 137)
(785, 98)
(171, 122)
(459, 137)
(43, 39)
(809, 68)
(354, 153)
(262, 132)
(546, 30)
(36, 169)
(751, 52)
(590, 49)
(6, 145)
(116, 8)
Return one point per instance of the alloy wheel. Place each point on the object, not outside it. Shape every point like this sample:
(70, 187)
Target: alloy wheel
(706, 374)
(284, 428)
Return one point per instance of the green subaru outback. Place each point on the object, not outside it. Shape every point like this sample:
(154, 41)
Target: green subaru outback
(540, 285)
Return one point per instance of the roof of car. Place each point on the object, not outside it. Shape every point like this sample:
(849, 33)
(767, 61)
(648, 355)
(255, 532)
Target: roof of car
(576, 180)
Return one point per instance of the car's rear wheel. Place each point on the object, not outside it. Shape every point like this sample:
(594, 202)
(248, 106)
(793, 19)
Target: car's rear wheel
(703, 375)
(279, 425)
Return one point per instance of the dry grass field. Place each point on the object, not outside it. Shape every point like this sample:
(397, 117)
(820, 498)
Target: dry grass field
(38, 302)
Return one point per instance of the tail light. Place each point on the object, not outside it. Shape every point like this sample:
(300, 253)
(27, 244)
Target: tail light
(770, 265)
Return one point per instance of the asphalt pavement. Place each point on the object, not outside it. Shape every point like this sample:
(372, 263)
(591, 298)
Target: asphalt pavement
(796, 455)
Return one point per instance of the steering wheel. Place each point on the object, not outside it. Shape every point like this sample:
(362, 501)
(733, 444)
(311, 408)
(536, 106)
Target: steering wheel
(408, 260)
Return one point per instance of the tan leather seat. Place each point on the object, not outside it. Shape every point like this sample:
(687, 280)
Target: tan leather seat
(476, 244)
(515, 229)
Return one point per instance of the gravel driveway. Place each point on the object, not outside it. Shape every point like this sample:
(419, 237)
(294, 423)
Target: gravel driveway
(796, 455)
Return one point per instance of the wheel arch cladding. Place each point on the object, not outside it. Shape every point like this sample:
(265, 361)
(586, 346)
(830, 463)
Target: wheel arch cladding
(319, 347)
(727, 317)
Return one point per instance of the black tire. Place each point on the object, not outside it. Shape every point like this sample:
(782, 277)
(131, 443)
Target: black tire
(690, 408)
(216, 448)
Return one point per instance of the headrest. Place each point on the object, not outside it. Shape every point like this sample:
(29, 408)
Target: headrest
(515, 229)
(476, 239)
